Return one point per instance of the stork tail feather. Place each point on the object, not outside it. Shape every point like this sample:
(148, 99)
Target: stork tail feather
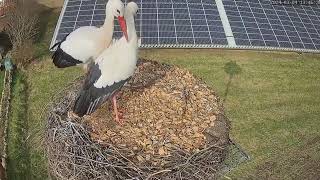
(82, 104)
(86, 103)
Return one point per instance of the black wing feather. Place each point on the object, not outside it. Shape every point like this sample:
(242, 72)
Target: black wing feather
(62, 59)
(90, 97)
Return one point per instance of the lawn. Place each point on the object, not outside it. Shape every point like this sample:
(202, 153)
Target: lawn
(273, 105)
(18, 161)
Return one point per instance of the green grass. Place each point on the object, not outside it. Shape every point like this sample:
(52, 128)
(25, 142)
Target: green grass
(273, 105)
(18, 158)
(45, 81)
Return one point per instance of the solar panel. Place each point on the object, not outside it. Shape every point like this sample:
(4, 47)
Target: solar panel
(160, 23)
(207, 23)
(258, 23)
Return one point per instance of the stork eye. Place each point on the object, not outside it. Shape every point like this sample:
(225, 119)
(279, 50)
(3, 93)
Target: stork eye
(118, 11)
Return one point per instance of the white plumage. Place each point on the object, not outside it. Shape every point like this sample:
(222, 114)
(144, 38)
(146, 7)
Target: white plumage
(86, 43)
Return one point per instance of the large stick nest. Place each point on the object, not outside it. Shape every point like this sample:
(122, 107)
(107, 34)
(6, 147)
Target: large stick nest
(174, 128)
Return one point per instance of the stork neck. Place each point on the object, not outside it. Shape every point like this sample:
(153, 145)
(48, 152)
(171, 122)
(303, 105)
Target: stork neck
(107, 28)
(131, 27)
(108, 22)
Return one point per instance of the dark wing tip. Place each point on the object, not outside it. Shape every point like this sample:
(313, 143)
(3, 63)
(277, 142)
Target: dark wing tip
(62, 60)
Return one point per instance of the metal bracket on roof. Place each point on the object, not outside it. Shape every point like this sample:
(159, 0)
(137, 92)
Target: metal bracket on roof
(225, 23)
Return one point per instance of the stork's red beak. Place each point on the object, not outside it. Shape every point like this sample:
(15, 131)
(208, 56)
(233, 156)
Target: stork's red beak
(123, 26)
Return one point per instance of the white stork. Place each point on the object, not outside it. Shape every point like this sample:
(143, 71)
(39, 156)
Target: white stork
(111, 70)
(87, 42)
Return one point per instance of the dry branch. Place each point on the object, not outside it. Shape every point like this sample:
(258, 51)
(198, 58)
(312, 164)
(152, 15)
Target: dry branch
(22, 29)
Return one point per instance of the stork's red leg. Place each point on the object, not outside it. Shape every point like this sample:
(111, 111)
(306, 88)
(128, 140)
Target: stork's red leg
(115, 108)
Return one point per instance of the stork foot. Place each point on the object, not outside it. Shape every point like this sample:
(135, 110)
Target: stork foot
(118, 114)
(119, 117)
(119, 120)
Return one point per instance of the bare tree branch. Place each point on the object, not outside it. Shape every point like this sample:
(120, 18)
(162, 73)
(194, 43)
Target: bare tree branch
(22, 29)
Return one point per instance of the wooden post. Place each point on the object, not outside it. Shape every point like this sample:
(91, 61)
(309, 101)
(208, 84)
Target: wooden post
(4, 108)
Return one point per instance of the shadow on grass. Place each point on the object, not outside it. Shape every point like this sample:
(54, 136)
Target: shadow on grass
(44, 18)
(47, 21)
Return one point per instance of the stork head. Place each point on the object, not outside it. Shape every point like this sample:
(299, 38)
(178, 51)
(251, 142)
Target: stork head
(116, 7)
(132, 8)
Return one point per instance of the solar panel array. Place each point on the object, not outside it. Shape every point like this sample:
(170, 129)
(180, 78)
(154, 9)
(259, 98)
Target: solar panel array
(197, 23)
(259, 23)
(159, 22)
